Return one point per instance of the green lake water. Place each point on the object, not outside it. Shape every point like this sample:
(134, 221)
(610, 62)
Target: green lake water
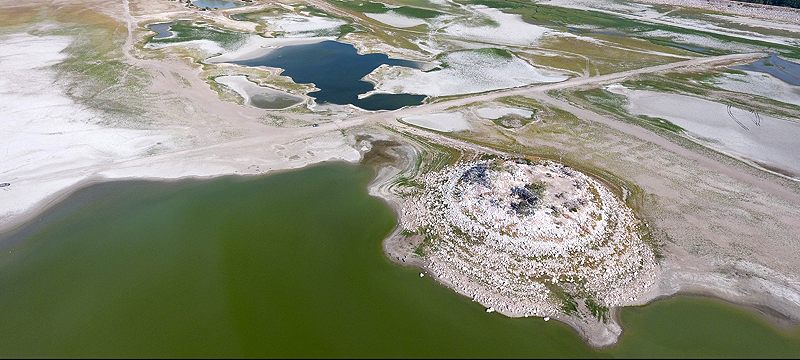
(285, 265)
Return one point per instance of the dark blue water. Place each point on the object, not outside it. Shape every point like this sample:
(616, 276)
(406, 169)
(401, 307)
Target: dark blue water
(337, 69)
(162, 30)
(785, 70)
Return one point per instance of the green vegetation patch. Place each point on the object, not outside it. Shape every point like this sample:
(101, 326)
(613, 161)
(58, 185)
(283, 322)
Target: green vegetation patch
(314, 11)
(679, 83)
(693, 48)
(500, 53)
(408, 182)
(598, 311)
(186, 30)
(95, 73)
(257, 16)
(568, 304)
(347, 29)
(660, 123)
(427, 242)
(379, 8)
(416, 12)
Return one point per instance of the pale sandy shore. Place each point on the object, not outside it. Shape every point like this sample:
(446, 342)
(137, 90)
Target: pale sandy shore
(53, 144)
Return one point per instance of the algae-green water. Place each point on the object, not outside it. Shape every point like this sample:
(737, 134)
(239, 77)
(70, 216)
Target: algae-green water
(285, 265)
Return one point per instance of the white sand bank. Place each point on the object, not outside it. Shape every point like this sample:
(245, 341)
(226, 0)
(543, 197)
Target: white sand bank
(250, 91)
(769, 141)
(392, 18)
(256, 46)
(761, 84)
(496, 112)
(506, 28)
(466, 72)
(206, 47)
(296, 25)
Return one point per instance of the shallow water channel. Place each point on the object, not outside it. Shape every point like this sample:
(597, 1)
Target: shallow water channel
(285, 265)
(785, 70)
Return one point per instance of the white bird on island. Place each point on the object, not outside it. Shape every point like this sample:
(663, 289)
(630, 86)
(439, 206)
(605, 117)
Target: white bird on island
(490, 310)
